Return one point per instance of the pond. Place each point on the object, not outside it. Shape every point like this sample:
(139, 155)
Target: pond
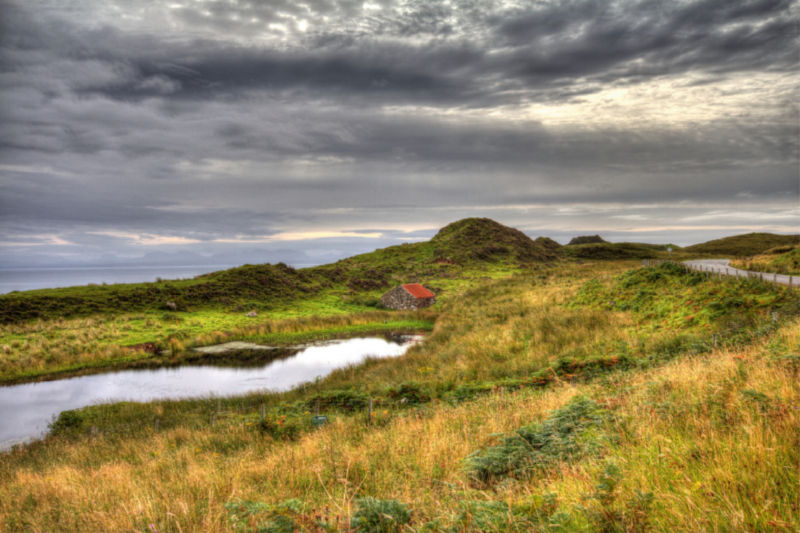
(28, 408)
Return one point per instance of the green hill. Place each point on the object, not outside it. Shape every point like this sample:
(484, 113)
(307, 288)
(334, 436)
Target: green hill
(460, 252)
(743, 245)
(587, 239)
(484, 240)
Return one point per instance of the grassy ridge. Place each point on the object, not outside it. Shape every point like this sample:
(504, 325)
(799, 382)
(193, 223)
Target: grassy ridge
(479, 247)
(743, 245)
(619, 251)
(700, 440)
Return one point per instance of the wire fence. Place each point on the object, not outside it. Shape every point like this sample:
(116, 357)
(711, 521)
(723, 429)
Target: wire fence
(719, 272)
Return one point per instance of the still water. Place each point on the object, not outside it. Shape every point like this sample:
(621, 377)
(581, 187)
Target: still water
(26, 409)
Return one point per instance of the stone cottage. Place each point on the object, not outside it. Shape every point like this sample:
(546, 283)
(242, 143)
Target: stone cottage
(411, 296)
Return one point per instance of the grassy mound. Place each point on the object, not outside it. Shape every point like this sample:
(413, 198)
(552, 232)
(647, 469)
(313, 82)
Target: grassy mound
(743, 245)
(587, 239)
(484, 240)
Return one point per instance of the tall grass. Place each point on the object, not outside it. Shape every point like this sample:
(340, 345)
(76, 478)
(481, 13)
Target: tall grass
(48, 347)
(704, 440)
(714, 456)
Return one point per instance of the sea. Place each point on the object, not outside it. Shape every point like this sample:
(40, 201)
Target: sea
(28, 279)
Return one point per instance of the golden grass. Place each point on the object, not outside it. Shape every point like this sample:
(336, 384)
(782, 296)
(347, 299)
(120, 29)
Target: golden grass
(713, 461)
(715, 457)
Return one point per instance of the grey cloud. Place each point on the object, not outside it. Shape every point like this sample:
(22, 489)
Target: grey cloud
(227, 128)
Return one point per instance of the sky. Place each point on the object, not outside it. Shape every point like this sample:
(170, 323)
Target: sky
(334, 127)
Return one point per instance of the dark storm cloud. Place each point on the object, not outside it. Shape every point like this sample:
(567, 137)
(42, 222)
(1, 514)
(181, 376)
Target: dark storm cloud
(532, 50)
(224, 121)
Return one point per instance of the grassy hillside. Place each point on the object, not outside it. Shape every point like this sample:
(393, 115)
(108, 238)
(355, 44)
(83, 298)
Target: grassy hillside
(484, 240)
(779, 260)
(578, 398)
(91, 327)
(743, 245)
(587, 239)
(475, 248)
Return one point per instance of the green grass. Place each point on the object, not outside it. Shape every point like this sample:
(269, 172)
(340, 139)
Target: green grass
(666, 297)
(780, 260)
(351, 285)
(659, 430)
(44, 350)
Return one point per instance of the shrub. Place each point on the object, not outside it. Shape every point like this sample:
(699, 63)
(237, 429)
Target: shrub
(607, 516)
(411, 391)
(380, 516)
(66, 422)
(281, 428)
(346, 400)
(568, 432)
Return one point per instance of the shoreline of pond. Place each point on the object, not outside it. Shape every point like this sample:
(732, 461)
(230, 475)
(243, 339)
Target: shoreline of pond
(167, 359)
(275, 371)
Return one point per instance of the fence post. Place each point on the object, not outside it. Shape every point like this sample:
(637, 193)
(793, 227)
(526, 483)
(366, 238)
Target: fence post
(262, 411)
(714, 341)
(775, 282)
(369, 412)
(774, 317)
(156, 425)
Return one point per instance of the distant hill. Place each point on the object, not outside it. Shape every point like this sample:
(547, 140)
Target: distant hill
(743, 245)
(619, 250)
(483, 239)
(587, 239)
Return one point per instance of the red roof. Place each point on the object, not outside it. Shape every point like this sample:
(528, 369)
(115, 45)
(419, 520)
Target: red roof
(417, 290)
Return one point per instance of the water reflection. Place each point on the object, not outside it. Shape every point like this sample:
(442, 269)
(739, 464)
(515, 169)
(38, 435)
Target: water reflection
(26, 409)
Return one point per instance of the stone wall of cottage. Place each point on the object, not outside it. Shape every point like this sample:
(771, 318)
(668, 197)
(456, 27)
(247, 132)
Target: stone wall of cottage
(399, 298)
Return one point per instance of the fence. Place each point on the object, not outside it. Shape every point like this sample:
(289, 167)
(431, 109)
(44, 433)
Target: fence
(760, 277)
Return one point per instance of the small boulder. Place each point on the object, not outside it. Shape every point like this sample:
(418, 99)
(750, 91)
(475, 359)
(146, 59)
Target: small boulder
(252, 314)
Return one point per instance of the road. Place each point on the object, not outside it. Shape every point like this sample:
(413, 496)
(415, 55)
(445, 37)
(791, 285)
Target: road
(721, 266)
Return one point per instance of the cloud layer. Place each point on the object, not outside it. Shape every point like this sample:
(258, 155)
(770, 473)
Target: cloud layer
(202, 124)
